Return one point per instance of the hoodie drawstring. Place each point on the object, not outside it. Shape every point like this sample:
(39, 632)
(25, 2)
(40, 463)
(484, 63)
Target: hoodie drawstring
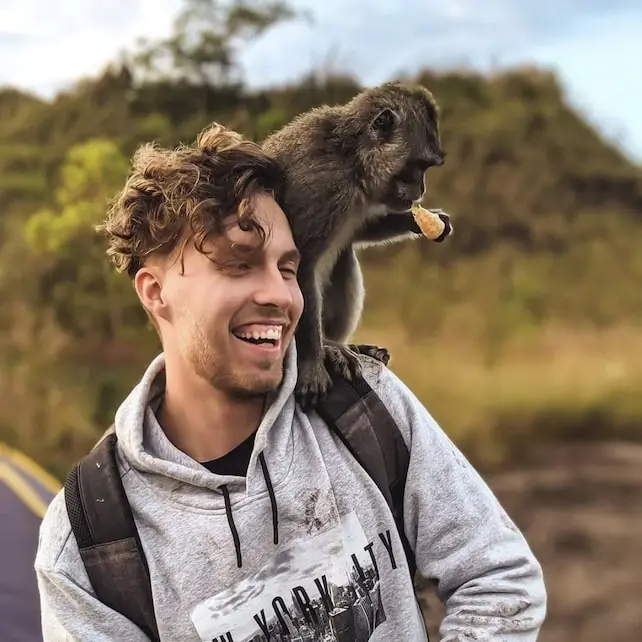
(275, 513)
(230, 517)
(230, 521)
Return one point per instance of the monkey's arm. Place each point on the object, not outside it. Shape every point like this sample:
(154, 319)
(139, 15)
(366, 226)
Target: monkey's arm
(343, 298)
(389, 228)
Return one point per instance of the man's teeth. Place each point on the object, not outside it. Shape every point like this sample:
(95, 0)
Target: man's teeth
(269, 333)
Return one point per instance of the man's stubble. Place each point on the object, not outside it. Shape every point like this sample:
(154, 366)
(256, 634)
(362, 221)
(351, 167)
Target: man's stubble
(208, 358)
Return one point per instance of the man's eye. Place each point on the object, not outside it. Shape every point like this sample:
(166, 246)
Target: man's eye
(289, 271)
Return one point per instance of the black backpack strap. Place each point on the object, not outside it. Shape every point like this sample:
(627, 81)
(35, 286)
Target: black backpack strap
(103, 524)
(354, 411)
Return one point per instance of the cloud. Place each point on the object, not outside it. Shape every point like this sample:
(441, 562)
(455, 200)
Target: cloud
(9, 40)
(591, 43)
(65, 40)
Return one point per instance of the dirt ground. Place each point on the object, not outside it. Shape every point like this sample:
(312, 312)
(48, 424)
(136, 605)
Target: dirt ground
(580, 507)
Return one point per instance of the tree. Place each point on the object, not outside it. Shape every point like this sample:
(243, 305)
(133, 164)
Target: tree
(87, 297)
(202, 49)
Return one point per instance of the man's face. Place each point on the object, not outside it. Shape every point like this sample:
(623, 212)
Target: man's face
(230, 318)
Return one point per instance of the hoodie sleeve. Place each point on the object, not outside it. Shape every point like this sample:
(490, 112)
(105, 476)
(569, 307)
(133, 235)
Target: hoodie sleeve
(69, 609)
(71, 613)
(490, 582)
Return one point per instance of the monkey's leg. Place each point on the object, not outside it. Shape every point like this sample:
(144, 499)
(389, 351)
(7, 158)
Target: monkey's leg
(313, 378)
(343, 305)
(343, 298)
(388, 229)
(376, 352)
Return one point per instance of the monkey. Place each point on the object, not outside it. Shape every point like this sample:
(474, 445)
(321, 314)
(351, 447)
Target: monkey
(353, 173)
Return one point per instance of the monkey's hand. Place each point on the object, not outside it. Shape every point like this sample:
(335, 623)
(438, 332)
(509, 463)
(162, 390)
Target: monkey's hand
(376, 352)
(434, 224)
(312, 383)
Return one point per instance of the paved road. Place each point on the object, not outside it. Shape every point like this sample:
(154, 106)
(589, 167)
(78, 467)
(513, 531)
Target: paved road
(25, 491)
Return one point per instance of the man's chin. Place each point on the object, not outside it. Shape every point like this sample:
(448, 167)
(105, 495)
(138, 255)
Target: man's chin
(256, 384)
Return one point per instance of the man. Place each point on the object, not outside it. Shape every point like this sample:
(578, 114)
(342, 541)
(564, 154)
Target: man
(252, 516)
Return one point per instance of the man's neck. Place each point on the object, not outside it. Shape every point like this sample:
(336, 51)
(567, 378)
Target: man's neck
(203, 422)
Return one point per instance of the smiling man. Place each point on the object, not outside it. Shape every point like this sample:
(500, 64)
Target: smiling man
(252, 520)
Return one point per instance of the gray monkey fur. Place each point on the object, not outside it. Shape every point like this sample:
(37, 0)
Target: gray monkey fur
(353, 172)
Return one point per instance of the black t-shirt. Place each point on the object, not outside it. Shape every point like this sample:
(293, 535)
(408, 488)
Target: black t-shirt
(235, 462)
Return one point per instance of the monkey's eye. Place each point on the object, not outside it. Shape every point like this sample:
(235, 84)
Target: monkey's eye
(384, 121)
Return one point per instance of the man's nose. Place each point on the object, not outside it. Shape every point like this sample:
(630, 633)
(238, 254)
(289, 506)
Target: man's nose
(274, 290)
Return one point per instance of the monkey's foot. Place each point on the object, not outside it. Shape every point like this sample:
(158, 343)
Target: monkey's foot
(341, 358)
(312, 383)
(314, 380)
(376, 352)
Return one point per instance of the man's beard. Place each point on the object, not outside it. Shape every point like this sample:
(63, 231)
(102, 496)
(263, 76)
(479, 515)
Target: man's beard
(217, 368)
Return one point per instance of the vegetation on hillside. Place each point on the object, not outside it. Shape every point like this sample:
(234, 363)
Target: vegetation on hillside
(523, 326)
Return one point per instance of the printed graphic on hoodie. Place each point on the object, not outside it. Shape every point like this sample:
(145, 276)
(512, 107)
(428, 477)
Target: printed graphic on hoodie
(321, 589)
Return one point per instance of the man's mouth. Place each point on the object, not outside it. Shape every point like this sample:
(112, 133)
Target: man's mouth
(258, 334)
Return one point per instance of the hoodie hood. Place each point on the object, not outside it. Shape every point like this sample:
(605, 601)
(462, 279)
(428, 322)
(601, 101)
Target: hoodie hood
(151, 455)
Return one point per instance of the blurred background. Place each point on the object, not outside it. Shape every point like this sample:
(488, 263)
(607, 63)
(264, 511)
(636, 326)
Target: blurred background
(521, 333)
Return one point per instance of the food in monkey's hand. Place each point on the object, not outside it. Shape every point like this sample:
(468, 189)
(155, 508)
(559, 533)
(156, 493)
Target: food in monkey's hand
(434, 224)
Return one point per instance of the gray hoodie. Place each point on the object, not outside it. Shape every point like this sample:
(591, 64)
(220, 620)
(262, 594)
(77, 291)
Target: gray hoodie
(317, 559)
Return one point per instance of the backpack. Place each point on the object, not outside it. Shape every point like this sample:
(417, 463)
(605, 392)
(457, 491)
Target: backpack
(103, 523)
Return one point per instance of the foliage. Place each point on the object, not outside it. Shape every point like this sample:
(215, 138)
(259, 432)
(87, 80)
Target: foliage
(510, 331)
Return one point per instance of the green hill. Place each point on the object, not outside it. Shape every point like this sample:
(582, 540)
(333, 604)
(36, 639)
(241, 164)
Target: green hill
(522, 327)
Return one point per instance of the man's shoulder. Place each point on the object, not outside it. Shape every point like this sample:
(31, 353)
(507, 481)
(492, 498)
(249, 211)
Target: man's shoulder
(55, 535)
(57, 547)
(401, 403)
(373, 369)
(386, 383)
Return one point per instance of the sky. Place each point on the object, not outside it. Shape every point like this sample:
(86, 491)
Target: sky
(594, 45)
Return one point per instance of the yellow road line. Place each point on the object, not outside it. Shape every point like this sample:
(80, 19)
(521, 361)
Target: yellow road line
(31, 468)
(26, 494)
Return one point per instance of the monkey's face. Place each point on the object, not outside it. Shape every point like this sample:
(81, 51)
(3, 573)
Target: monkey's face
(403, 142)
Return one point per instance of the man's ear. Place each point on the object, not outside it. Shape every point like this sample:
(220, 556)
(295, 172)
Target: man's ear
(148, 284)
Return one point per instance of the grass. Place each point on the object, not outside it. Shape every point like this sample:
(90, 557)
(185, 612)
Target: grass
(543, 385)
(557, 384)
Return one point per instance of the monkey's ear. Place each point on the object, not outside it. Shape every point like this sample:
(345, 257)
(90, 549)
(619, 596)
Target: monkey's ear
(384, 122)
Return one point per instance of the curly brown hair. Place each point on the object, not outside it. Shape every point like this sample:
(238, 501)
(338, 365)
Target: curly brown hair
(173, 196)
